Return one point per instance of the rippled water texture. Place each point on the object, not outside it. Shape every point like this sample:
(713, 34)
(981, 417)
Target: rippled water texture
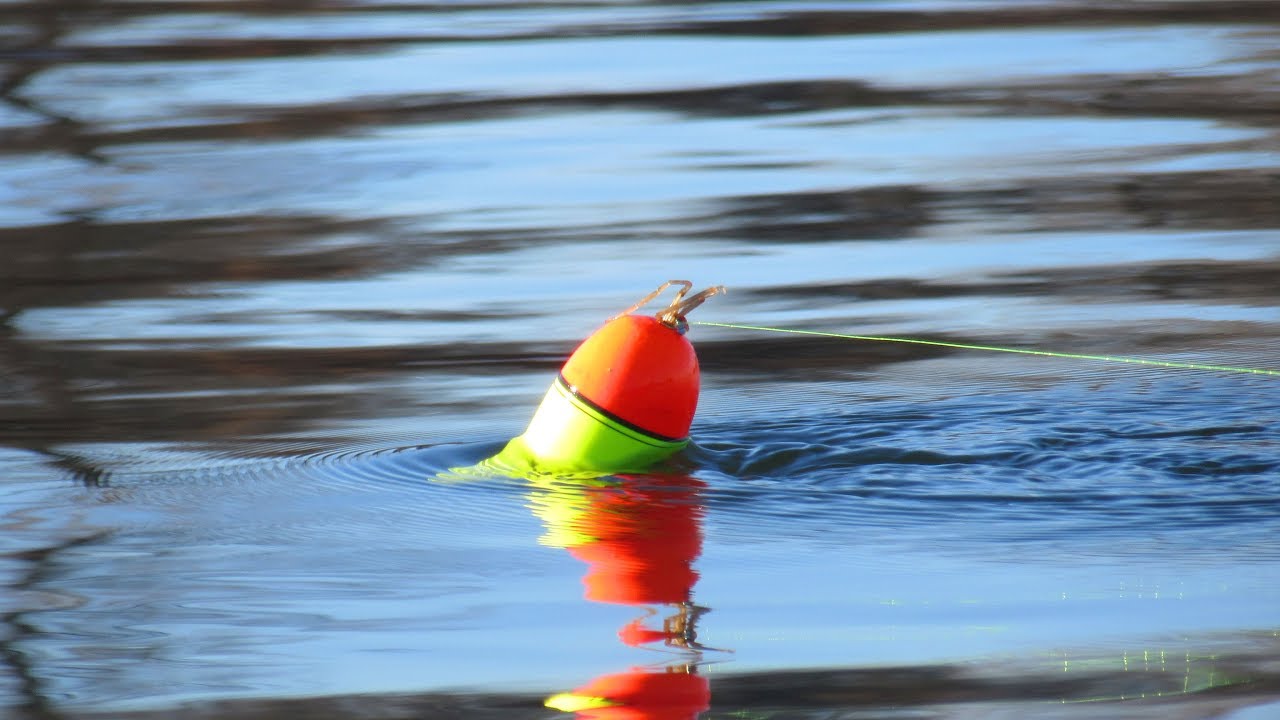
(274, 274)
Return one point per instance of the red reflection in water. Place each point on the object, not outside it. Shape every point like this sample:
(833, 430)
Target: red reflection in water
(644, 695)
(639, 537)
(645, 536)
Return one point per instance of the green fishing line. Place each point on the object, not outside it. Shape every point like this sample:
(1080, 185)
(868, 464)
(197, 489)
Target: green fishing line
(991, 348)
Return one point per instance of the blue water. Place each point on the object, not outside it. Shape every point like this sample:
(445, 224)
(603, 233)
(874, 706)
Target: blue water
(1117, 516)
(270, 276)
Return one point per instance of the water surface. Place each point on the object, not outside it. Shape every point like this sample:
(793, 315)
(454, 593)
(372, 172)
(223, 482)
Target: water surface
(271, 272)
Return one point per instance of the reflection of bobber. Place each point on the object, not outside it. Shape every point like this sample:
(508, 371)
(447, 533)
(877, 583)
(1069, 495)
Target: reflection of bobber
(639, 536)
(624, 399)
(638, 695)
(640, 539)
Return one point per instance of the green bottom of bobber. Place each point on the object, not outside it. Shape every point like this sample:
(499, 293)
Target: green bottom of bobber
(567, 435)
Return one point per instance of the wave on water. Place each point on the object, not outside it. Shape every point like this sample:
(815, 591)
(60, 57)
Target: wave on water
(1178, 461)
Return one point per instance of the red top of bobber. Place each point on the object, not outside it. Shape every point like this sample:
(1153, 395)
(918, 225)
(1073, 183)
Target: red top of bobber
(641, 371)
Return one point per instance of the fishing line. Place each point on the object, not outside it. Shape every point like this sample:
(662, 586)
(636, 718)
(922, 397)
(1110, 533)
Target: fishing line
(992, 348)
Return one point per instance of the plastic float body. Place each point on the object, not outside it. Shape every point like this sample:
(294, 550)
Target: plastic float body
(624, 399)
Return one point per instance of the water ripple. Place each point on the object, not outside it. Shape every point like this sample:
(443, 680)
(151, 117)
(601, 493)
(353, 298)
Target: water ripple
(1068, 464)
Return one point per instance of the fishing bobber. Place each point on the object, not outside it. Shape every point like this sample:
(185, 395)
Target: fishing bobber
(624, 399)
